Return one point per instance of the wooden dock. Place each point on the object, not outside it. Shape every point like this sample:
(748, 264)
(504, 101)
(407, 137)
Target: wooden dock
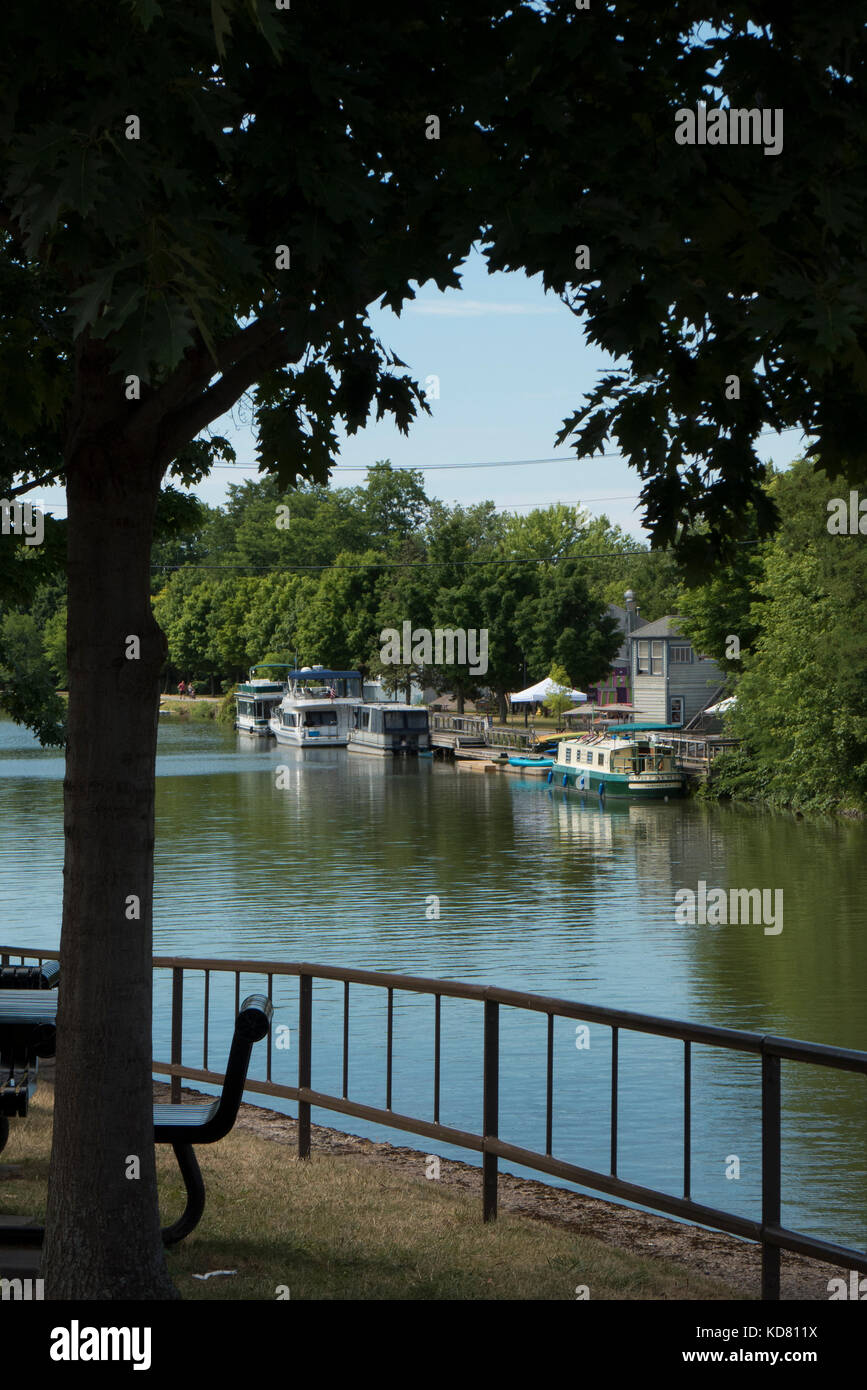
(478, 745)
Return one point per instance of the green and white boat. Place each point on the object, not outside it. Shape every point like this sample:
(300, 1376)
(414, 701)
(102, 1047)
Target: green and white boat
(632, 762)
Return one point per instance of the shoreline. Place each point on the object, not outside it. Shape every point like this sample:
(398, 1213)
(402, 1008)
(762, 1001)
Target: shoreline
(702, 1251)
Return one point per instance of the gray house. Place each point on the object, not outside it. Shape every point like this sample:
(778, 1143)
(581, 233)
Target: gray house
(671, 681)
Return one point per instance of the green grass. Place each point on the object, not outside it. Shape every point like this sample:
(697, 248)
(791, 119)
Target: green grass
(345, 1228)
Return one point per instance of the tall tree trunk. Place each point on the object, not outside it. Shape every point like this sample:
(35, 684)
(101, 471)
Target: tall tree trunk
(460, 699)
(103, 1228)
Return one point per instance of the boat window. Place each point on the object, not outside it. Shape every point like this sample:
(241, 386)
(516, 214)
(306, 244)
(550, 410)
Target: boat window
(601, 759)
(319, 718)
(568, 755)
(417, 719)
(396, 720)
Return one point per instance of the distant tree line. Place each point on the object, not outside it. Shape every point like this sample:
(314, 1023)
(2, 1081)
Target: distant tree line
(317, 575)
(232, 587)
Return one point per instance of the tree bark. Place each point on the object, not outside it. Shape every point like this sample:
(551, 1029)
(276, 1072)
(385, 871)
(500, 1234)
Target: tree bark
(103, 1226)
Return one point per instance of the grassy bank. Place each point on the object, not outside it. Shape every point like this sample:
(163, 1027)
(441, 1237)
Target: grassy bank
(340, 1228)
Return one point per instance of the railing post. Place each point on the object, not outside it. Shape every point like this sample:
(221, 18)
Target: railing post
(491, 1107)
(177, 1028)
(305, 1042)
(770, 1173)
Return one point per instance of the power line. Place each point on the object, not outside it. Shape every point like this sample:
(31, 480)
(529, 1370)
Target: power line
(496, 463)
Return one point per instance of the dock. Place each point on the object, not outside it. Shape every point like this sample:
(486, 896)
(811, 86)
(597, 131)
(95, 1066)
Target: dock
(477, 745)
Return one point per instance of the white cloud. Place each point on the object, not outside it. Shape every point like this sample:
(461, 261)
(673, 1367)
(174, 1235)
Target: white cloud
(474, 308)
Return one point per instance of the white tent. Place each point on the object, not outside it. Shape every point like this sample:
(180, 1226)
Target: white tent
(535, 694)
(722, 706)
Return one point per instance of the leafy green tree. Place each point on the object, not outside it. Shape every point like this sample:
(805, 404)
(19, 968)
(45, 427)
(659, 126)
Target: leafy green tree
(202, 202)
(337, 623)
(730, 282)
(27, 685)
(560, 624)
(183, 608)
(54, 646)
(560, 699)
(407, 593)
(801, 705)
(396, 506)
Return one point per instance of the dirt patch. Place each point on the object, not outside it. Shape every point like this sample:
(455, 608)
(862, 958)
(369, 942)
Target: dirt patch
(711, 1253)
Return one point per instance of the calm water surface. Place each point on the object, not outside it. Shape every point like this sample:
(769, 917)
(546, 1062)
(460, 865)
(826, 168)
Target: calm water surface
(538, 890)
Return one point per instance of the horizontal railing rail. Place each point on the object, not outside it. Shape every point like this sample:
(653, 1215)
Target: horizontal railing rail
(770, 1049)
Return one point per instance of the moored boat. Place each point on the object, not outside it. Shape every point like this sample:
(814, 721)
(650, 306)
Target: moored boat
(317, 709)
(387, 729)
(630, 763)
(256, 699)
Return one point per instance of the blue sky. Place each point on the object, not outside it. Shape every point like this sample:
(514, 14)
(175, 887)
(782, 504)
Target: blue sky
(512, 363)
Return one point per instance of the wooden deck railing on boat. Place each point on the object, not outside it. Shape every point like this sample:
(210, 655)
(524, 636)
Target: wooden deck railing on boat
(769, 1052)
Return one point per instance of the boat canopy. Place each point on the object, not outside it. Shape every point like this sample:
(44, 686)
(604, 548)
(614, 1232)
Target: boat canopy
(645, 728)
(321, 673)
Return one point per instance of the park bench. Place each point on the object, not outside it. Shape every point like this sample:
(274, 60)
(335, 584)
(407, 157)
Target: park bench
(27, 1032)
(44, 976)
(28, 1036)
(18, 1065)
(184, 1126)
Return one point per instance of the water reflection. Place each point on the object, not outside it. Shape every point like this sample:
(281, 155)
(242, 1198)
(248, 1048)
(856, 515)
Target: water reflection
(271, 853)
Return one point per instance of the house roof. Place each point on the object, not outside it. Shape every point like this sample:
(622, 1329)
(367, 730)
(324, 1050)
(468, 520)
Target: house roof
(663, 627)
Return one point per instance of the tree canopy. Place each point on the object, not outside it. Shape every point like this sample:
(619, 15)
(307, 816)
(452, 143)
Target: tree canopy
(202, 202)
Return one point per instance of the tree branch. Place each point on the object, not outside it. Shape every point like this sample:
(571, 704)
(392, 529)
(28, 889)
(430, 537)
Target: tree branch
(34, 482)
(186, 422)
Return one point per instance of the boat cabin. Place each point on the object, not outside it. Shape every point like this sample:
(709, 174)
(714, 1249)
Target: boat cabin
(389, 728)
(256, 700)
(317, 708)
(634, 761)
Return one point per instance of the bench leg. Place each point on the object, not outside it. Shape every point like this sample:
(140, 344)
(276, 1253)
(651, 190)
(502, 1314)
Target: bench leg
(192, 1213)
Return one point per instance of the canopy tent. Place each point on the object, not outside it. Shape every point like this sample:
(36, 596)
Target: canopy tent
(535, 694)
(599, 711)
(722, 706)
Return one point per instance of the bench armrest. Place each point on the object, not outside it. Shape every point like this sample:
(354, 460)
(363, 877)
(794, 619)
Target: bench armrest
(254, 1019)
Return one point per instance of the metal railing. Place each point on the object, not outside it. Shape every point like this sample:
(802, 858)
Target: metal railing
(697, 752)
(769, 1049)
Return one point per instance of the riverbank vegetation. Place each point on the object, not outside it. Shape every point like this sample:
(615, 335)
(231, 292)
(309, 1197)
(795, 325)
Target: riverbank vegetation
(796, 603)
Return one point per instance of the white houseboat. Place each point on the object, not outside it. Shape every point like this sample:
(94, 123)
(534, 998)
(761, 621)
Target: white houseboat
(317, 709)
(634, 762)
(385, 729)
(256, 699)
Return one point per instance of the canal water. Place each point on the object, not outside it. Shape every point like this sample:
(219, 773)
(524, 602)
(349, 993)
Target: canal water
(338, 859)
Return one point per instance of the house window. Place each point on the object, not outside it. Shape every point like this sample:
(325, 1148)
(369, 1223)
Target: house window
(656, 658)
(643, 661)
(681, 654)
